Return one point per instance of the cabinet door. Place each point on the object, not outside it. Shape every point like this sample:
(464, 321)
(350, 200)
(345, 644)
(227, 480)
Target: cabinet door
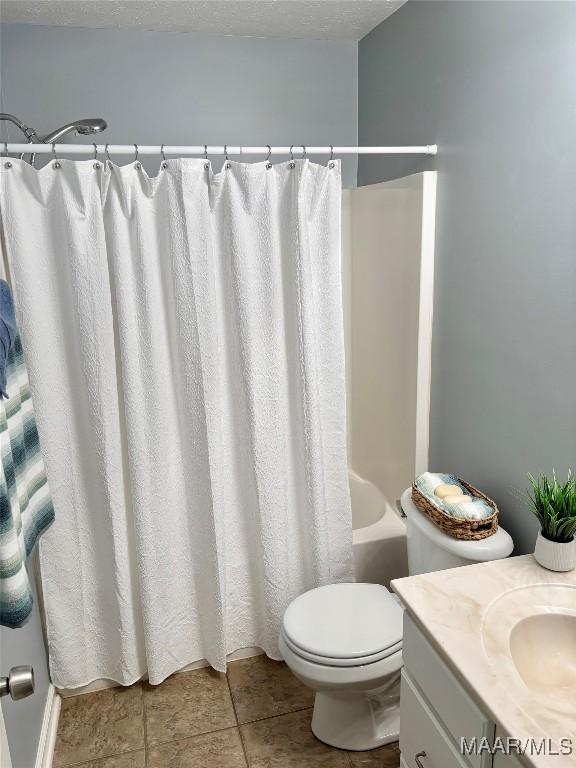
(423, 741)
(452, 704)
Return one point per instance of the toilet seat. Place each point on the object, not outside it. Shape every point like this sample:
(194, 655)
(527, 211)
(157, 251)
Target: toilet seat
(339, 662)
(344, 625)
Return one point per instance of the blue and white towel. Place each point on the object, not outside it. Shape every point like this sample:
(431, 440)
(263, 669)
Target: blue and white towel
(7, 331)
(26, 509)
(476, 509)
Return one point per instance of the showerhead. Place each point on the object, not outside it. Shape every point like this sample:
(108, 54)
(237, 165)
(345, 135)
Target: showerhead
(91, 125)
(85, 127)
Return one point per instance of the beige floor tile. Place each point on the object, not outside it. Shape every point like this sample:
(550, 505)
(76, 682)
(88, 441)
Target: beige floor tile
(128, 760)
(222, 749)
(385, 757)
(288, 742)
(186, 705)
(265, 688)
(99, 724)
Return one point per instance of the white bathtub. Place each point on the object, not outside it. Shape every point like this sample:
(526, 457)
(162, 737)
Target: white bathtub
(379, 535)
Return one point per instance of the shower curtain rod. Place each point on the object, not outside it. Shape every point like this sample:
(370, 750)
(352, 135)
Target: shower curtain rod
(169, 149)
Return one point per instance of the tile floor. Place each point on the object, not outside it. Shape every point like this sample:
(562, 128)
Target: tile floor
(256, 716)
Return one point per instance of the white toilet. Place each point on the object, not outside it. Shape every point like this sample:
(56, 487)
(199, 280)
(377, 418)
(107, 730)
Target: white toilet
(345, 640)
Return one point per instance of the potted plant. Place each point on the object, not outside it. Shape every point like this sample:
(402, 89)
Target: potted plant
(554, 504)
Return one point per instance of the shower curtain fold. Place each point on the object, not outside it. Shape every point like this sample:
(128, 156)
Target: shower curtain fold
(184, 341)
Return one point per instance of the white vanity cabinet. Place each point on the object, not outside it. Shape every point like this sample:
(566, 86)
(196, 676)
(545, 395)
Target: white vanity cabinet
(436, 711)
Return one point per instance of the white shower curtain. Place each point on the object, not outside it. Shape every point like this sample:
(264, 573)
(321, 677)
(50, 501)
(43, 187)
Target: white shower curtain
(183, 336)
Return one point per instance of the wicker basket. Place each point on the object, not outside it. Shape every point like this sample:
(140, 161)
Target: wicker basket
(471, 530)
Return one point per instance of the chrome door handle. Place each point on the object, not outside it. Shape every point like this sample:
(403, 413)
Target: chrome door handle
(418, 759)
(19, 683)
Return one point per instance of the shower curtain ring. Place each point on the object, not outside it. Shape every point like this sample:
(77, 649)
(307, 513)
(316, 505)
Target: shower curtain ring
(291, 164)
(331, 158)
(227, 162)
(164, 163)
(56, 164)
(303, 151)
(137, 165)
(8, 163)
(206, 163)
(268, 163)
(96, 165)
(108, 160)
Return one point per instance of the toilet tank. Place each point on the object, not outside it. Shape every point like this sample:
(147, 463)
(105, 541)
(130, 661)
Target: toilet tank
(430, 549)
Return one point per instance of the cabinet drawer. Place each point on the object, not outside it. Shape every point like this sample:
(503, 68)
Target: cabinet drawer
(452, 704)
(421, 732)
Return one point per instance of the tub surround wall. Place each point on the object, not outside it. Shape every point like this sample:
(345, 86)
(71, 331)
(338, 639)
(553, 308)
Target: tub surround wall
(388, 239)
(387, 280)
(493, 84)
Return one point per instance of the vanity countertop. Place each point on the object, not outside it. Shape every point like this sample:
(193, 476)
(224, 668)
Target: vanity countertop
(451, 606)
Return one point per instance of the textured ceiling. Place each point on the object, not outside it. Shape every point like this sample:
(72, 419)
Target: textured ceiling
(336, 19)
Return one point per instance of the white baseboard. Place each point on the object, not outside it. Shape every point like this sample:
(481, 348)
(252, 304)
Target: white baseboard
(49, 730)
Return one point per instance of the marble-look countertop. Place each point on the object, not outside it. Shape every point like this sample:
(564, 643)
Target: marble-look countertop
(454, 607)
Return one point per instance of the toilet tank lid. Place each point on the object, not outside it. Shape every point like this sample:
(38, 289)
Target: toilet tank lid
(493, 547)
(344, 621)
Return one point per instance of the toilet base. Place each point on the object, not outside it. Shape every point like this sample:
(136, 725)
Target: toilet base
(358, 720)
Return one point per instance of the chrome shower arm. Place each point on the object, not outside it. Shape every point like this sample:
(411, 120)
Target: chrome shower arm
(30, 133)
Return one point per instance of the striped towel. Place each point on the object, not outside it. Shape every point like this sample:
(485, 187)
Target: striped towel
(26, 509)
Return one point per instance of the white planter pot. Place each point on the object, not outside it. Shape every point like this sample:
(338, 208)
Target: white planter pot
(554, 555)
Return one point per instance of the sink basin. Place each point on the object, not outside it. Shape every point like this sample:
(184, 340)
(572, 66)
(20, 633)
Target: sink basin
(529, 635)
(543, 648)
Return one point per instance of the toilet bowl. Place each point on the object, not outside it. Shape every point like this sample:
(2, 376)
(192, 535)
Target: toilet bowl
(344, 641)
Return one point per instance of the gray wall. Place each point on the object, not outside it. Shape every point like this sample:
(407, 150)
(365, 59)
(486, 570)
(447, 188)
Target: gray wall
(175, 88)
(494, 84)
(23, 719)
